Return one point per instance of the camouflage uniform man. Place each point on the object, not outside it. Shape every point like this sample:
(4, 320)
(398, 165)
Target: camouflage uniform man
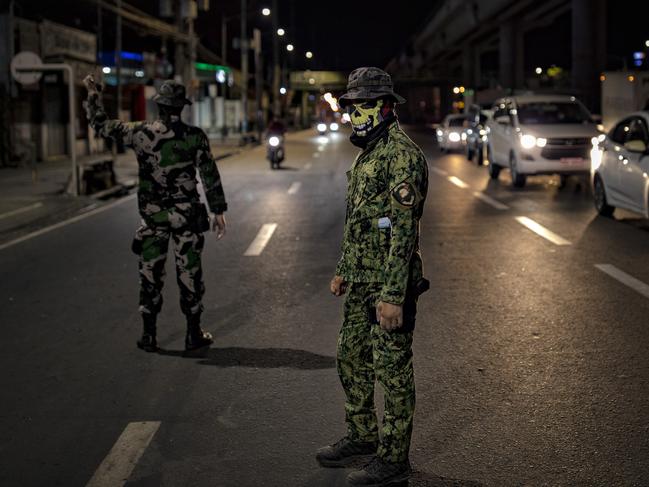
(382, 274)
(168, 154)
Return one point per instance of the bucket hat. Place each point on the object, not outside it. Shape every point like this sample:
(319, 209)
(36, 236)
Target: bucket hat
(367, 84)
(171, 93)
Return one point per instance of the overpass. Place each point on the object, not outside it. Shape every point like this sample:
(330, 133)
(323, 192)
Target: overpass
(493, 47)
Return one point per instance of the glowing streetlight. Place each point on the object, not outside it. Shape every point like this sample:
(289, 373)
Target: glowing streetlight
(456, 90)
(538, 70)
(265, 11)
(289, 47)
(281, 32)
(282, 91)
(309, 54)
(646, 43)
(105, 70)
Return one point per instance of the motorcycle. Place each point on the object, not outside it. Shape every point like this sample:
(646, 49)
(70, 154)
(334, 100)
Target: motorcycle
(275, 150)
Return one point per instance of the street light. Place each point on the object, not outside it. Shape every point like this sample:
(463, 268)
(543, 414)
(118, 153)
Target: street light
(281, 32)
(309, 54)
(265, 12)
(538, 70)
(646, 43)
(282, 91)
(290, 47)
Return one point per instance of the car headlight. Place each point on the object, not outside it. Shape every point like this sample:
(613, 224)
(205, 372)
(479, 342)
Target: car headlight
(483, 132)
(463, 136)
(322, 127)
(454, 137)
(273, 141)
(439, 133)
(333, 126)
(529, 141)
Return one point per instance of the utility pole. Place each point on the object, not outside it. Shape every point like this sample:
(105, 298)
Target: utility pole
(258, 83)
(118, 56)
(244, 66)
(276, 68)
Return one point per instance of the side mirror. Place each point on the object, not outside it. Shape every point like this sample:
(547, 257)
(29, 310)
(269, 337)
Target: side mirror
(503, 120)
(636, 146)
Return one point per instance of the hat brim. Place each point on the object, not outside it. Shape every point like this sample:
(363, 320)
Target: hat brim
(171, 102)
(356, 94)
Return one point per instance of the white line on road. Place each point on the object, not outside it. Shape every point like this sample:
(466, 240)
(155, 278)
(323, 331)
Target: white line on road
(625, 278)
(491, 201)
(21, 210)
(542, 231)
(458, 182)
(123, 457)
(295, 187)
(66, 222)
(261, 240)
(439, 171)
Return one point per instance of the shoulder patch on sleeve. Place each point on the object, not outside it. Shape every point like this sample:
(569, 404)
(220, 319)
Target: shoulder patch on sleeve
(404, 193)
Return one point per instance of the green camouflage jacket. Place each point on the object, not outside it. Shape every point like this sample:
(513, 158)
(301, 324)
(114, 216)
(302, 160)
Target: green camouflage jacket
(387, 187)
(168, 155)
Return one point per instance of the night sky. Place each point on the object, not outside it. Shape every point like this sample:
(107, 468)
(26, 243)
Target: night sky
(344, 34)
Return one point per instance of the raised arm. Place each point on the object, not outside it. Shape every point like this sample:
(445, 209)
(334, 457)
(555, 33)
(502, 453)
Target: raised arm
(99, 121)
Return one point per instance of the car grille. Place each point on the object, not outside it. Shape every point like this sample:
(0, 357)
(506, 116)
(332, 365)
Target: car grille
(561, 152)
(569, 142)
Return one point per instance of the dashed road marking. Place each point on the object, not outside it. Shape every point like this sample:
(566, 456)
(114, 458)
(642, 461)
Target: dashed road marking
(66, 222)
(123, 457)
(295, 187)
(458, 182)
(491, 201)
(261, 240)
(439, 171)
(21, 210)
(541, 231)
(624, 278)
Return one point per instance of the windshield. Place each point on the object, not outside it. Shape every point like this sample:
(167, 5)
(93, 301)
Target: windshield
(456, 122)
(552, 113)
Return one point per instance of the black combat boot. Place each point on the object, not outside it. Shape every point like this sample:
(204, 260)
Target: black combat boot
(148, 342)
(379, 473)
(196, 338)
(344, 452)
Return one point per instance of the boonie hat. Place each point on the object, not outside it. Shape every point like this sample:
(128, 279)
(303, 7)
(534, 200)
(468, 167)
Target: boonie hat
(171, 93)
(367, 84)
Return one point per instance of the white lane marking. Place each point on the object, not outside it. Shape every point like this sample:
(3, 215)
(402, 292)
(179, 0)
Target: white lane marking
(439, 171)
(295, 187)
(491, 201)
(123, 457)
(541, 231)
(66, 222)
(261, 240)
(21, 210)
(308, 166)
(458, 182)
(625, 278)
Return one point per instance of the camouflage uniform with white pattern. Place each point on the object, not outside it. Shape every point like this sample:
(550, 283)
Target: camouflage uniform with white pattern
(169, 154)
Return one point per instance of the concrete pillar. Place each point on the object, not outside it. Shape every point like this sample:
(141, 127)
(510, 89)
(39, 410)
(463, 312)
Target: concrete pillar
(506, 54)
(588, 41)
(468, 66)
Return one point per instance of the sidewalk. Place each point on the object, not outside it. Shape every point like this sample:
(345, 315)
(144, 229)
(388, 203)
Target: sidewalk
(32, 201)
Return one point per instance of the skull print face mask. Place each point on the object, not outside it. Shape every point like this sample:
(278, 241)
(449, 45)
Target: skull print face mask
(365, 116)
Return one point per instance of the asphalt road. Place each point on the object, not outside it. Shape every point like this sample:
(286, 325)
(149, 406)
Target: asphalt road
(530, 361)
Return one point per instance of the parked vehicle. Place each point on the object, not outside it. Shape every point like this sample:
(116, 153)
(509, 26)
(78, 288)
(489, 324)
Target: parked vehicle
(540, 134)
(620, 166)
(476, 134)
(449, 133)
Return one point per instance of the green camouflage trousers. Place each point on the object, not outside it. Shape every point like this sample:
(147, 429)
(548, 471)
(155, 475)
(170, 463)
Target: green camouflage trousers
(153, 247)
(367, 353)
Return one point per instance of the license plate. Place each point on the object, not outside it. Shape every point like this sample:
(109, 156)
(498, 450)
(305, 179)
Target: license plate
(572, 160)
